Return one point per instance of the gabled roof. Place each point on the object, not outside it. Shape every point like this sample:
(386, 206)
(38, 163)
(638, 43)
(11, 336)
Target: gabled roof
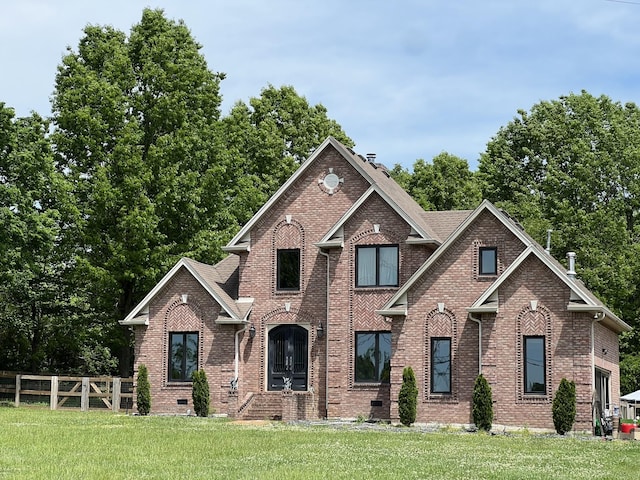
(581, 298)
(220, 281)
(381, 183)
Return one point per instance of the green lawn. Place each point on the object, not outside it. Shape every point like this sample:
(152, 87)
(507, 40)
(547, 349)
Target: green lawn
(39, 444)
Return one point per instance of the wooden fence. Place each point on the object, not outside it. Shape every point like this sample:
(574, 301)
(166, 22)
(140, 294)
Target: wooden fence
(112, 393)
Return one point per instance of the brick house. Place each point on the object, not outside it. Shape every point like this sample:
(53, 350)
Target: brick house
(341, 280)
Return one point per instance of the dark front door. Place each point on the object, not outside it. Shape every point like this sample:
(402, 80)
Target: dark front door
(288, 357)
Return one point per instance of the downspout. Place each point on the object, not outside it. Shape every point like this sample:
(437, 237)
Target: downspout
(326, 335)
(479, 322)
(599, 316)
(236, 360)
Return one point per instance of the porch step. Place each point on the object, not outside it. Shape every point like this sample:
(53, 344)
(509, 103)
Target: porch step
(263, 406)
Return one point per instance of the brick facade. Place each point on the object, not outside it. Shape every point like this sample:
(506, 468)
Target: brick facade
(328, 312)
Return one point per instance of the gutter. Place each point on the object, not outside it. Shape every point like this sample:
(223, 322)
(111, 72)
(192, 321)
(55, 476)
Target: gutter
(326, 335)
(479, 322)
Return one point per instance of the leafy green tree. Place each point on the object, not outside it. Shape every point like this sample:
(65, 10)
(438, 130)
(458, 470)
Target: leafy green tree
(573, 165)
(42, 326)
(143, 391)
(629, 374)
(408, 397)
(444, 184)
(482, 409)
(564, 406)
(200, 393)
(268, 139)
(136, 125)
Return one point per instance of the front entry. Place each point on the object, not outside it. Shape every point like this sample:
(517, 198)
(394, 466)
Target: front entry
(288, 357)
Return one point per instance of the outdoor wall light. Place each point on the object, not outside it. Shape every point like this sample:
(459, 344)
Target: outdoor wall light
(604, 351)
(320, 331)
(252, 331)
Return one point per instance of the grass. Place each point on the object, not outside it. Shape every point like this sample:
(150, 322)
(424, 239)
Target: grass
(43, 444)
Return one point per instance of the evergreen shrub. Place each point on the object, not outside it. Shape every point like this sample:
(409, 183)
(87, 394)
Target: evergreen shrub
(564, 406)
(200, 393)
(408, 397)
(482, 404)
(143, 390)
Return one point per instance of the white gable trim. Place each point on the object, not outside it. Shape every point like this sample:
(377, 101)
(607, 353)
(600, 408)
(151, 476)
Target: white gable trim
(485, 205)
(239, 242)
(333, 235)
(140, 314)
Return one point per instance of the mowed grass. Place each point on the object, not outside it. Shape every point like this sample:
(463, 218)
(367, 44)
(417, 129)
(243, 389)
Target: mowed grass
(43, 444)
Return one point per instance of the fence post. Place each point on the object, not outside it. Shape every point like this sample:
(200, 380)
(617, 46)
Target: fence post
(115, 397)
(54, 393)
(18, 386)
(84, 400)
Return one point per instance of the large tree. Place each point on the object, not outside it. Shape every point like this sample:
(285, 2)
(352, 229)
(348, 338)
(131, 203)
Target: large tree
(268, 139)
(444, 184)
(136, 123)
(572, 165)
(42, 321)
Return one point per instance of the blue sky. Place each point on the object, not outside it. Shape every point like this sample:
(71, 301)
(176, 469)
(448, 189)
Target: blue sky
(405, 79)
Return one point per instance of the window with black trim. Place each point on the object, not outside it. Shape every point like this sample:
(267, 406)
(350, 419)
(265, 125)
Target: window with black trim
(183, 356)
(288, 269)
(488, 261)
(377, 266)
(373, 357)
(441, 365)
(534, 366)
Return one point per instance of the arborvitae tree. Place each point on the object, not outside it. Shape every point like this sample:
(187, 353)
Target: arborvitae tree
(564, 406)
(200, 393)
(143, 391)
(408, 397)
(482, 404)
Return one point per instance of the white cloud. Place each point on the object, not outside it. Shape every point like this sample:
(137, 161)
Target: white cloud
(405, 79)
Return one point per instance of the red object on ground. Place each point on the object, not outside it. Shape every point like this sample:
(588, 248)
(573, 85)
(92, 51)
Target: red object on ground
(626, 427)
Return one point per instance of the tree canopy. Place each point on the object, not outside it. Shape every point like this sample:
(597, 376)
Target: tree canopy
(136, 169)
(572, 166)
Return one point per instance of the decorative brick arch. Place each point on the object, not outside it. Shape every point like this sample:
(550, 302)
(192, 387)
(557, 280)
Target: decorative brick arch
(182, 316)
(533, 322)
(289, 233)
(284, 316)
(440, 324)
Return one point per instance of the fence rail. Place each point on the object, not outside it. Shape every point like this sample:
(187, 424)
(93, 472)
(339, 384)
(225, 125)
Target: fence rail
(113, 393)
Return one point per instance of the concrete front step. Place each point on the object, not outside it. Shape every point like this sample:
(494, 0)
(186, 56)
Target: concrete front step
(263, 406)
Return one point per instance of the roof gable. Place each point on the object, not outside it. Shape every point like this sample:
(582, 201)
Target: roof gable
(581, 298)
(375, 174)
(218, 280)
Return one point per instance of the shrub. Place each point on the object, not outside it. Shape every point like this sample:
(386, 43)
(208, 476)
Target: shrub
(200, 393)
(407, 398)
(482, 404)
(143, 398)
(564, 406)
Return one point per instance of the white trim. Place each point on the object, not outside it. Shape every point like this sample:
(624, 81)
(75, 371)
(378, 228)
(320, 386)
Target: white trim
(143, 306)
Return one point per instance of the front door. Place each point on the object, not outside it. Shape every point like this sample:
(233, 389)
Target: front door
(288, 357)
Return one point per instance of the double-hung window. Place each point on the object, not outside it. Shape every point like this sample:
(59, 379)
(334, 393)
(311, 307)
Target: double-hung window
(377, 266)
(183, 355)
(534, 366)
(373, 357)
(441, 365)
(288, 269)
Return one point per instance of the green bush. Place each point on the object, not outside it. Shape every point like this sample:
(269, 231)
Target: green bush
(200, 393)
(143, 391)
(564, 406)
(482, 404)
(408, 397)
